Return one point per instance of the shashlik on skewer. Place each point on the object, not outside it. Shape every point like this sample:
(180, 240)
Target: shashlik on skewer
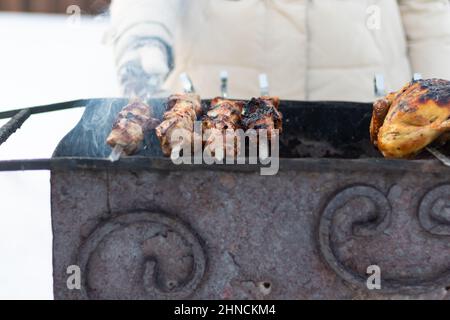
(259, 113)
(182, 112)
(223, 115)
(263, 113)
(129, 129)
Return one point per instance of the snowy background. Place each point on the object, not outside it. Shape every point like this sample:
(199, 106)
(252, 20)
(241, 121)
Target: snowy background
(43, 59)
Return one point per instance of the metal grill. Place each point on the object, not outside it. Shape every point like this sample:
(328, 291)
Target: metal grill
(224, 231)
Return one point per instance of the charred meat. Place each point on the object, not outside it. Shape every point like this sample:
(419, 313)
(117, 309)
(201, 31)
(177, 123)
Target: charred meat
(130, 127)
(182, 112)
(223, 117)
(224, 114)
(263, 113)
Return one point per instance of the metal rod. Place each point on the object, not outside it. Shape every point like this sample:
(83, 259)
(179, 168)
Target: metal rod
(264, 84)
(14, 124)
(166, 164)
(116, 153)
(19, 116)
(417, 76)
(49, 107)
(186, 82)
(224, 83)
(440, 156)
(379, 88)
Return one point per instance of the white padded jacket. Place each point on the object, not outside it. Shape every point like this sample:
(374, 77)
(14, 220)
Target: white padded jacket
(310, 49)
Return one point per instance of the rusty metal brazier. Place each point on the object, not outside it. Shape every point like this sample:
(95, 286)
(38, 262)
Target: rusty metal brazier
(144, 228)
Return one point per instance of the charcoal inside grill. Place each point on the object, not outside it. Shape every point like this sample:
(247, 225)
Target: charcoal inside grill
(310, 129)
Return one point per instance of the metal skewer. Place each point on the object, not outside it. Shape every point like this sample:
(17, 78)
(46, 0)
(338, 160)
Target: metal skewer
(186, 82)
(224, 83)
(175, 154)
(116, 153)
(440, 156)
(188, 87)
(264, 84)
(219, 154)
(417, 76)
(379, 88)
(263, 143)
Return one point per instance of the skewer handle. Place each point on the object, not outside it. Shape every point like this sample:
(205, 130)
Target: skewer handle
(224, 83)
(264, 84)
(379, 87)
(186, 82)
(417, 76)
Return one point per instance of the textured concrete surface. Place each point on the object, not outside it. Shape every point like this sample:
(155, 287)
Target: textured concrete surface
(303, 234)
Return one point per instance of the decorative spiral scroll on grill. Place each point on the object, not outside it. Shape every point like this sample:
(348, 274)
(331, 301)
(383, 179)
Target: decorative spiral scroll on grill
(144, 256)
(434, 211)
(377, 220)
(371, 226)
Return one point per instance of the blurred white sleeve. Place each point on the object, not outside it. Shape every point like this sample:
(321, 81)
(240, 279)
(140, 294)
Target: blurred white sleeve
(427, 26)
(144, 19)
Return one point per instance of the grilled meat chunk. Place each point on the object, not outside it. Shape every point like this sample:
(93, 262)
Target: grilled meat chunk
(129, 129)
(405, 122)
(223, 117)
(224, 114)
(182, 112)
(263, 113)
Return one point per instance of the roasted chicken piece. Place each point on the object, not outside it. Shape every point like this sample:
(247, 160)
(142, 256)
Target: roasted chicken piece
(129, 129)
(405, 122)
(223, 117)
(263, 113)
(182, 112)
